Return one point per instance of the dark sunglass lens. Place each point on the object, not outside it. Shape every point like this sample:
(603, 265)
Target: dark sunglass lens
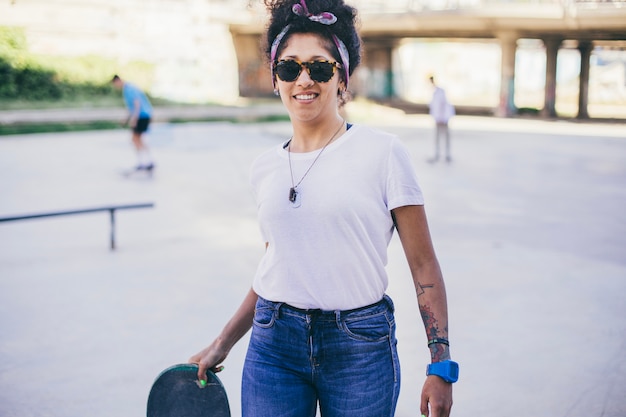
(288, 70)
(321, 71)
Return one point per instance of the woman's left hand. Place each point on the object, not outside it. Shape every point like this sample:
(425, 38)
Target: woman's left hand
(436, 397)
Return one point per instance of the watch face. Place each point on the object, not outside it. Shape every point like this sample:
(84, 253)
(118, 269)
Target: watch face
(454, 371)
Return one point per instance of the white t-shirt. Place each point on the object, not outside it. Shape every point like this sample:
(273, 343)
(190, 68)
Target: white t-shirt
(331, 251)
(440, 108)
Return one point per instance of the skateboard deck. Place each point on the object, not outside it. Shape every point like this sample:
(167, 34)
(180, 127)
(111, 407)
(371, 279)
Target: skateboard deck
(137, 173)
(176, 392)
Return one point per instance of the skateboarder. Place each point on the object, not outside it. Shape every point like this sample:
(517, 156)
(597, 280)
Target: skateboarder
(140, 114)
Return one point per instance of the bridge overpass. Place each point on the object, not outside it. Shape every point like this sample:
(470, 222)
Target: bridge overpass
(581, 24)
(182, 50)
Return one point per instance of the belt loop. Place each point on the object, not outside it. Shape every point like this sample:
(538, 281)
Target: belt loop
(389, 302)
(338, 318)
(277, 307)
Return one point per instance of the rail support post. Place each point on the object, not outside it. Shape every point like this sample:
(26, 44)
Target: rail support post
(112, 213)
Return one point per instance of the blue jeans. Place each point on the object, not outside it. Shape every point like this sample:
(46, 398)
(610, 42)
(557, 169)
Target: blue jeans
(345, 360)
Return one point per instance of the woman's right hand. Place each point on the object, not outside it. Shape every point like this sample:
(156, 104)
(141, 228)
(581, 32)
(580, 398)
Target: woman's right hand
(209, 358)
(213, 355)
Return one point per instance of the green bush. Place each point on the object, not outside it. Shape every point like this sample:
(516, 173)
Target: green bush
(35, 83)
(8, 88)
(28, 77)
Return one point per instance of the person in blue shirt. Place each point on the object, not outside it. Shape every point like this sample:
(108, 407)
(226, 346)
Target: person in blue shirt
(140, 114)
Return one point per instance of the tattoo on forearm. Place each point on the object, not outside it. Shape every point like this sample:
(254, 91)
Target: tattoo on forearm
(438, 352)
(430, 323)
(421, 288)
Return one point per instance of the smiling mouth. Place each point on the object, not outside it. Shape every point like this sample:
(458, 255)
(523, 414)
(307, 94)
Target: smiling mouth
(305, 96)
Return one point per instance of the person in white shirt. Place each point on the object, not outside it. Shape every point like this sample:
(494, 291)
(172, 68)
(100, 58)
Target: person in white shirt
(329, 199)
(442, 111)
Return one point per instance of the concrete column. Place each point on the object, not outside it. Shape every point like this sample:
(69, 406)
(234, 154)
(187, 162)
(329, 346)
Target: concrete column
(508, 46)
(254, 74)
(377, 70)
(552, 50)
(585, 48)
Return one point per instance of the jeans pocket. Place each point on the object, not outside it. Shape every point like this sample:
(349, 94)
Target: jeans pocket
(264, 317)
(372, 328)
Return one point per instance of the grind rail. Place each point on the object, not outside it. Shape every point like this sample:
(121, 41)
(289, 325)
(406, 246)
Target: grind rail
(110, 209)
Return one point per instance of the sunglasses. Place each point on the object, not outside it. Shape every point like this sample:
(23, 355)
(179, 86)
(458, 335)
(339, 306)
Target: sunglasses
(320, 71)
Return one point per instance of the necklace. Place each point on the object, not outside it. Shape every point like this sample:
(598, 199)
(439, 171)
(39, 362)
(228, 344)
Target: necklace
(294, 195)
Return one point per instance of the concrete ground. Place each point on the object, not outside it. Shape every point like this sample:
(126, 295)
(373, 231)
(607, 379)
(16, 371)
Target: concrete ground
(528, 222)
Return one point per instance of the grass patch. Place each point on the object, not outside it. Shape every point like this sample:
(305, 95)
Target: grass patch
(79, 102)
(25, 128)
(20, 129)
(75, 103)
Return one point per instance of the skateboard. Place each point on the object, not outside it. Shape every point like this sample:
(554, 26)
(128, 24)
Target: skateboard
(138, 173)
(177, 392)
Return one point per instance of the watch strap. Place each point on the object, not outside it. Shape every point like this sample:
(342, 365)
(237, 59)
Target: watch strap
(447, 370)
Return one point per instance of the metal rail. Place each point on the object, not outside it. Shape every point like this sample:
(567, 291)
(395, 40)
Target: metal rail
(110, 209)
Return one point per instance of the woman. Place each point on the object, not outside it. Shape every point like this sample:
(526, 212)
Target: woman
(323, 330)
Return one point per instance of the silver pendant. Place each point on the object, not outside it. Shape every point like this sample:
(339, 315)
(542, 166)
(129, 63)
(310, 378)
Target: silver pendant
(294, 198)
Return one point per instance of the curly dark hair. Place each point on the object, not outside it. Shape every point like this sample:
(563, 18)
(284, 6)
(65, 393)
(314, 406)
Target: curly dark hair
(344, 28)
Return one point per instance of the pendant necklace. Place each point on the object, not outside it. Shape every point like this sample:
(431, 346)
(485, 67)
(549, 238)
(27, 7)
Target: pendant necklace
(294, 195)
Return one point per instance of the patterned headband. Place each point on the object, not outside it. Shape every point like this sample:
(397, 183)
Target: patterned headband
(325, 18)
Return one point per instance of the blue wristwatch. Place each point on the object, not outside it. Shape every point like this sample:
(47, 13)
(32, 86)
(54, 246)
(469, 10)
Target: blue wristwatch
(447, 370)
